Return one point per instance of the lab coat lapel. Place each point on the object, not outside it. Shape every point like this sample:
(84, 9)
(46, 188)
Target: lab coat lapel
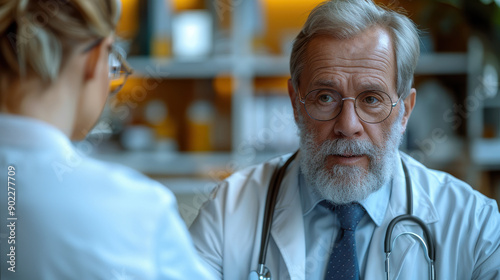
(422, 204)
(404, 248)
(288, 224)
(397, 206)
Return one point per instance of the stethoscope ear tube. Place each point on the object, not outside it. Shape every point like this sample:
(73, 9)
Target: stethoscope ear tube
(263, 273)
(273, 190)
(407, 217)
(271, 199)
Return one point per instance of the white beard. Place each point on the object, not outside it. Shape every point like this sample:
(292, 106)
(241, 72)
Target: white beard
(346, 184)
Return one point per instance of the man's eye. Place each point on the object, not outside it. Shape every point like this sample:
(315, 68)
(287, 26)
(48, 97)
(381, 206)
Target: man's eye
(371, 100)
(324, 98)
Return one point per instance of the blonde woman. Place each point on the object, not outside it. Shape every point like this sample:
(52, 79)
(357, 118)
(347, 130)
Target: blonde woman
(94, 220)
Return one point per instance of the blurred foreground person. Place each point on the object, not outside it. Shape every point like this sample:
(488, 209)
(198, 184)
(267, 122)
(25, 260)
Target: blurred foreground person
(66, 216)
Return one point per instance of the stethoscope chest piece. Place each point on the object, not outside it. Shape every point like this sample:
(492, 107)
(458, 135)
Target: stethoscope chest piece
(263, 273)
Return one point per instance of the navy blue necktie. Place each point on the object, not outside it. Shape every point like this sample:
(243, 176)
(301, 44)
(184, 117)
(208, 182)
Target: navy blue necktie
(343, 263)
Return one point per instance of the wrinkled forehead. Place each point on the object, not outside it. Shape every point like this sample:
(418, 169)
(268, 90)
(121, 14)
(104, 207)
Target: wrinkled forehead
(369, 51)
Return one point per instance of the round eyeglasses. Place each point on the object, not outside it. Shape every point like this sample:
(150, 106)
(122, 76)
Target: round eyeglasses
(326, 104)
(119, 69)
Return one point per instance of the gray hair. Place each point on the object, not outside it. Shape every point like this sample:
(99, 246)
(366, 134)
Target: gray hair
(343, 19)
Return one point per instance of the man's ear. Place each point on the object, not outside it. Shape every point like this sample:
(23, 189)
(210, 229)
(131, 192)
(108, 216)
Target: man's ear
(293, 98)
(409, 104)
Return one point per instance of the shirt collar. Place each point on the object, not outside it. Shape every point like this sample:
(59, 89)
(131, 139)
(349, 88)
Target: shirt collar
(308, 198)
(375, 204)
(29, 133)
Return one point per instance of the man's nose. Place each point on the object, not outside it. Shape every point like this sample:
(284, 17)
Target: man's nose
(347, 123)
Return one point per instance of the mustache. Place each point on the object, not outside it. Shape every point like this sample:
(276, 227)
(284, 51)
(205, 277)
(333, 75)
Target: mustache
(347, 147)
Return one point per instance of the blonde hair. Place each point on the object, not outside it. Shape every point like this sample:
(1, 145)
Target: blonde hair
(36, 36)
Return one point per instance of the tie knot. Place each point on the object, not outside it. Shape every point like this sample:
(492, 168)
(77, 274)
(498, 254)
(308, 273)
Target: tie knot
(349, 214)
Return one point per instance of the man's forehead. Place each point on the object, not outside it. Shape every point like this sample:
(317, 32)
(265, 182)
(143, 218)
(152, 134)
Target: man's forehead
(366, 84)
(374, 38)
(370, 52)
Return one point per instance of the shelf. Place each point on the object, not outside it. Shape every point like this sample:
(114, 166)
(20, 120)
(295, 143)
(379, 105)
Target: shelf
(188, 186)
(173, 68)
(429, 64)
(181, 165)
(442, 64)
(486, 152)
(492, 102)
(265, 65)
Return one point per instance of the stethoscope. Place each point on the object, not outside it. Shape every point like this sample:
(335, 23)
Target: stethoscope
(263, 273)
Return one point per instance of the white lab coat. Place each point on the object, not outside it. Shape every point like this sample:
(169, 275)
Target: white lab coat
(78, 218)
(464, 223)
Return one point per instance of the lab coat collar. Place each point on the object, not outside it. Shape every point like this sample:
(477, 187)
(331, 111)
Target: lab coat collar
(30, 133)
(422, 208)
(288, 226)
(422, 205)
(288, 230)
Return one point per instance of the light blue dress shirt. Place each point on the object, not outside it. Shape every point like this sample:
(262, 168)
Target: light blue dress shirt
(322, 226)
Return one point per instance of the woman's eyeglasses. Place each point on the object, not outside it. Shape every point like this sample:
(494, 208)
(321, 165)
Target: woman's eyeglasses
(119, 69)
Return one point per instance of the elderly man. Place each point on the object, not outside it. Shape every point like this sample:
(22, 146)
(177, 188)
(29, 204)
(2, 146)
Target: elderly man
(351, 89)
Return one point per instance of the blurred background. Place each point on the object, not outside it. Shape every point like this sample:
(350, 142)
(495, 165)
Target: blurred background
(209, 92)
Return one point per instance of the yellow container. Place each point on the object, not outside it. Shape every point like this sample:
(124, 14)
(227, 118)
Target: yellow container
(200, 122)
(128, 25)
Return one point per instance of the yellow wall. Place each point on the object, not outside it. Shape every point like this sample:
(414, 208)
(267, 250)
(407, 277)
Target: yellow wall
(284, 17)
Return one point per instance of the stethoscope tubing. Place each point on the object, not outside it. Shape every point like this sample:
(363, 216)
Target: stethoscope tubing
(269, 208)
(423, 226)
(428, 247)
